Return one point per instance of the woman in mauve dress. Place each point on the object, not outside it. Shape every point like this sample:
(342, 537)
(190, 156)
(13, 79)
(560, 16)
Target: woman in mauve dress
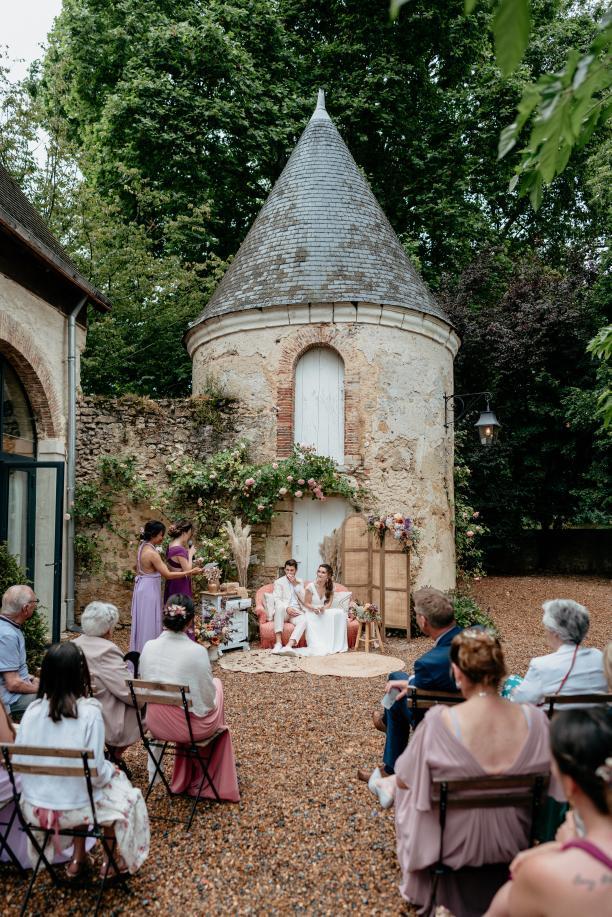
(179, 555)
(146, 599)
(484, 736)
(176, 659)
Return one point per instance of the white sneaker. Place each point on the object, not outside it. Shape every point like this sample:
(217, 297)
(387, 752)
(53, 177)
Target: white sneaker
(278, 648)
(287, 651)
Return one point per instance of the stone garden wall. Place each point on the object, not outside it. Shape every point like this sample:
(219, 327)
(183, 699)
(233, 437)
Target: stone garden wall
(153, 432)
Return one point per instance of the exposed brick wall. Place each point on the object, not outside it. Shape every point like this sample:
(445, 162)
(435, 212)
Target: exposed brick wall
(19, 348)
(315, 336)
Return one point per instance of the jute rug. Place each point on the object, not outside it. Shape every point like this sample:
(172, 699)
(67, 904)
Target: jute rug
(352, 665)
(256, 661)
(342, 665)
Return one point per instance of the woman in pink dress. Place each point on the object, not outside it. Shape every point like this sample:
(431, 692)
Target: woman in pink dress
(146, 599)
(486, 735)
(179, 555)
(176, 659)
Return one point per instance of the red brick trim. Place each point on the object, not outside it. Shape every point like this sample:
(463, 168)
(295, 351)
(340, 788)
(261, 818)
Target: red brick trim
(18, 347)
(303, 340)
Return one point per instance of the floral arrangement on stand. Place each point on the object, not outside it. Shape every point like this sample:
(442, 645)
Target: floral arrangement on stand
(401, 527)
(212, 572)
(213, 628)
(368, 612)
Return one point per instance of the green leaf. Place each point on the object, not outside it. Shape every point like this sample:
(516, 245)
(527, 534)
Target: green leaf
(468, 6)
(535, 195)
(511, 28)
(394, 8)
(507, 139)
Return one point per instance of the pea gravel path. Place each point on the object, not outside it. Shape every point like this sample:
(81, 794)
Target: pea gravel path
(306, 837)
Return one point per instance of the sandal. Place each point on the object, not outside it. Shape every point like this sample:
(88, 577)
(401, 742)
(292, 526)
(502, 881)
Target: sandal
(109, 872)
(83, 864)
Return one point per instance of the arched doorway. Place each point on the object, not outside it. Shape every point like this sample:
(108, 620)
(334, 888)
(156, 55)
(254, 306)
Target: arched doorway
(318, 422)
(31, 497)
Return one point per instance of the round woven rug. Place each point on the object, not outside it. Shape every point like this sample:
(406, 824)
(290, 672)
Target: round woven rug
(352, 665)
(255, 662)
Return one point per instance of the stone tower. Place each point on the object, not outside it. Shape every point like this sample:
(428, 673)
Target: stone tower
(328, 335)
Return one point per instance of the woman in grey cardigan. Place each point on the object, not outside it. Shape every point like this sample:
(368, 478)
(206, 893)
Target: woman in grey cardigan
(108, 673)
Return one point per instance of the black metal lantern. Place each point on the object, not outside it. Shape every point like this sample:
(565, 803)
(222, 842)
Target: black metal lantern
(488, 425)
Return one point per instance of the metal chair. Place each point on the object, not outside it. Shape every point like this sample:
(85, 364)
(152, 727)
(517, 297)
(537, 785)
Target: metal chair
(173, 695)
(562, 700)
(5, 830)
(520, 791)
(79, 767)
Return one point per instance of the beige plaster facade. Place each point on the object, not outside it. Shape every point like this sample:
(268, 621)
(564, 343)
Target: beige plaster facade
(398, 366)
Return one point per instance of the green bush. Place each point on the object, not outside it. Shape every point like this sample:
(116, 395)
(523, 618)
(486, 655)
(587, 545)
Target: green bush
(87, 554)
(468, 613)
(34, 630)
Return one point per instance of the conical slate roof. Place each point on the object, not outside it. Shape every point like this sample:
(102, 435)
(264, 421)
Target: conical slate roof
(320, 237)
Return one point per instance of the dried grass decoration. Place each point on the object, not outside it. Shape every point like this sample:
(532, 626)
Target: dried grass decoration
(240, 542)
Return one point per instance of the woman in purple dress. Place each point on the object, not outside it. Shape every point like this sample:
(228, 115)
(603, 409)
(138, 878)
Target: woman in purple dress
(179, 555)
(147, 599)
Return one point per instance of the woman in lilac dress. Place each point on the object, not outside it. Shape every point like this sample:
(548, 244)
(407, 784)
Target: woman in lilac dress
(179, 555)
(147, 599)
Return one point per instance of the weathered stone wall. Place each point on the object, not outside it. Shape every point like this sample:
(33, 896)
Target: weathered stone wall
(398, 366)
(152, 432)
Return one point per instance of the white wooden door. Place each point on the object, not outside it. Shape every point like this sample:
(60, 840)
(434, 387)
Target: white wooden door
(319, 402)
(312, 521)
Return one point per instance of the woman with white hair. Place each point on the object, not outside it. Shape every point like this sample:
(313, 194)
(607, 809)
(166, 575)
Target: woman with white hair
(108, 673)
(570, 668)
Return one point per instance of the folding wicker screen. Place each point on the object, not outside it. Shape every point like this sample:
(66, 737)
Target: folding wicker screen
(376, 572)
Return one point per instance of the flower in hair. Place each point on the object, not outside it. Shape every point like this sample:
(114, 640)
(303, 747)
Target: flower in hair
(176, 611)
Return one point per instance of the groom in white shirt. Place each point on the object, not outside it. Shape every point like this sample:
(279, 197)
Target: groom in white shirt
(288, 593)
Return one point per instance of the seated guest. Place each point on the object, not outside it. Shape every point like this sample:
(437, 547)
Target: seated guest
(486, 735)
(176, 659)
(108, 674)
(436, 619)
(573, 875)
(570, 668)
(17, 687)
(66, 716)
(288, 595)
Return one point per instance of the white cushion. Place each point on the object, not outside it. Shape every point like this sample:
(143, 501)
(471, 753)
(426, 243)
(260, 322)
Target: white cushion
(269, 605)
(341, 600)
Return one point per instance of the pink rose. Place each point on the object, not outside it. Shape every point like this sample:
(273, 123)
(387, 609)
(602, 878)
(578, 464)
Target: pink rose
(261, 508)
(475, 515)
(301, 481)
(282, 491)
(469, 533)
(298, 493)
(275, 465)
(200, 502)
(249, 482)
(290, 477)
(311, 481)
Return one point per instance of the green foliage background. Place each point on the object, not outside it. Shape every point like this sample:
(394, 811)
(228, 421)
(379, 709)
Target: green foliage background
(167, 122)
(34, 630)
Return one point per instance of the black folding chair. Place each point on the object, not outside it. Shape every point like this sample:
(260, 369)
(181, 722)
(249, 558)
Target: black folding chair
(562, 700)
(172, 695)
(134, 657)
(79, 767)
(521, 791)
(7, 820)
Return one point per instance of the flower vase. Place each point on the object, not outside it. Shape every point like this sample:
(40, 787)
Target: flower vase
(213, 587)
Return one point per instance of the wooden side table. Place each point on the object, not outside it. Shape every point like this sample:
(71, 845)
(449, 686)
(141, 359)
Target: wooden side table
(369, 632)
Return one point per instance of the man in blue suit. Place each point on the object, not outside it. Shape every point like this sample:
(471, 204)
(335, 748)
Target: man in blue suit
(436, 619)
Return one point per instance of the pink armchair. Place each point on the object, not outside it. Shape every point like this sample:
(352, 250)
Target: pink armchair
(266, 628)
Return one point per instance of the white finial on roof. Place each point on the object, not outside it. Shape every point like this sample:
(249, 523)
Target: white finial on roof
(320, 112)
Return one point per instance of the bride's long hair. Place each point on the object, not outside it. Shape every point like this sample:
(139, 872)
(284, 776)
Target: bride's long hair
(329, 582)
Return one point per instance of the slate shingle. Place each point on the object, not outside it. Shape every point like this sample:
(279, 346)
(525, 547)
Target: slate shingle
(321, 236)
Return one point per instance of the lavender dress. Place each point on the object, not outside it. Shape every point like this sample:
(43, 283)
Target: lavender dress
(146, 606)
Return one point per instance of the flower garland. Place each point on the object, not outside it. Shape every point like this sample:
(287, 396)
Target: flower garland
(212, 627)
(401, 527)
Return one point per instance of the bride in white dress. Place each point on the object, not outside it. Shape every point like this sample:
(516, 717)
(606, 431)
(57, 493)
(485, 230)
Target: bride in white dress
(325, 626)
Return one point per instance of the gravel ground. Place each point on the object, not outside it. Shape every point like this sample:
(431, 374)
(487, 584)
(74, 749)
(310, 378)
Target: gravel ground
(306, 837)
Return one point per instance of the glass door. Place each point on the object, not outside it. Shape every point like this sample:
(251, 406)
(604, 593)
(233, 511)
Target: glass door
(31, 515)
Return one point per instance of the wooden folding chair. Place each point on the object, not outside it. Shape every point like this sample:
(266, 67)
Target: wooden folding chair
(420, 700)
(79, 767)
(520, 791)
(7, 821)
(173, 695)
(562, 700)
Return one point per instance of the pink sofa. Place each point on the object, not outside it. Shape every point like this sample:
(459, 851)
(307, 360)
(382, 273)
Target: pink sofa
(266, 628)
